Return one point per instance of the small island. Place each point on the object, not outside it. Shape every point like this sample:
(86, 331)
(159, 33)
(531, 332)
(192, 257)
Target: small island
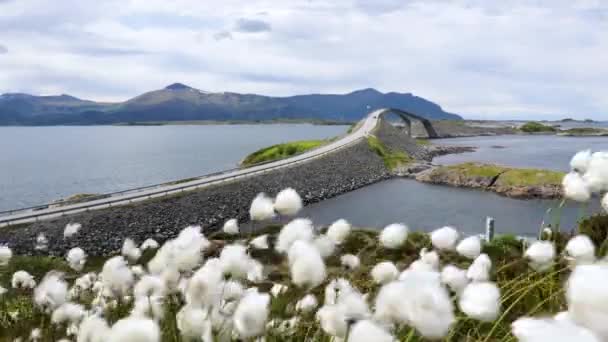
(281, 151)
(534, 127)
(506, 181)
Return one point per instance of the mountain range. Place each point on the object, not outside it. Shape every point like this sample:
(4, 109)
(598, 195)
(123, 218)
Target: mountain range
(179, 102)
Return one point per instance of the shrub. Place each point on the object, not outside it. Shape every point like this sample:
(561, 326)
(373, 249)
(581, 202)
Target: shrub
(535, 127)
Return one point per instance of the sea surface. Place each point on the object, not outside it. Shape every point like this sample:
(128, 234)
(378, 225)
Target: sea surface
(536, 151)
(42, 164)
(424, 207)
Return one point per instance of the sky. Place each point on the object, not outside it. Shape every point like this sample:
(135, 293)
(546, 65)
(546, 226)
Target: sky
(503, 59)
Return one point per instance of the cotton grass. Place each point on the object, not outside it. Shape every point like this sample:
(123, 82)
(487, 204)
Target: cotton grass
(5, 255)
(481, 301)
(231, 227)
(469, 247)
(288, 202)
(393, 235)
(419, 300)
(339, 231)
(262, 208)
(444, 238)
(71, 229)
(76, 258)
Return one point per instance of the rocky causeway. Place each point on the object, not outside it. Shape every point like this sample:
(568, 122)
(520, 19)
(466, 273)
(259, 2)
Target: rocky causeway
(103, 231)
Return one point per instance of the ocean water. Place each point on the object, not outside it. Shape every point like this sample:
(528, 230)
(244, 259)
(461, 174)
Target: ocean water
(537, 151)
(42, 164)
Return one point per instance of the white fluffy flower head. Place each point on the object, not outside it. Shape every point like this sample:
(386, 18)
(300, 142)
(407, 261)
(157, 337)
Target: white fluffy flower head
(134, 329)
(71, 229)
(324, 245)
(5, 255)
(307, 304)
(350, 261)
(149, 244)
(394, 235)
(455, 278)
(130, 250)
(575, 187)
(261, 208)
(366, 331)
(587, 297)
(528, 329)
(288, 202)
(580, 161)
(384, 272)
(596, 176)
(469, 247)
(22, 279)
(306, 264)
(76, 258)
(480, 301)
(231, 227)
(419, 300)
(580, 250)
(298, 229)
(117, 276)
(479, 270)
(260, 242)
(52, 291)
(339, 231)
(541, 255)
(444, 238)
(251, 314)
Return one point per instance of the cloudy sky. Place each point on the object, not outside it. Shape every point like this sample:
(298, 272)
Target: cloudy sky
(480, 58)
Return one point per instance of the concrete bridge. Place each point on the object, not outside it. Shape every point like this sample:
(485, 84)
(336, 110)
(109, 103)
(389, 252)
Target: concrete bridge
(415, 125)
(420, 125)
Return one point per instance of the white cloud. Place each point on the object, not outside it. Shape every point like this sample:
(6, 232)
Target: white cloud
(498, 59)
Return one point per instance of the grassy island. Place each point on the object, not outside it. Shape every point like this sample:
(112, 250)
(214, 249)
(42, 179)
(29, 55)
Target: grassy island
(536, 127)
(506, 175)
(510, 182)
(281, 151)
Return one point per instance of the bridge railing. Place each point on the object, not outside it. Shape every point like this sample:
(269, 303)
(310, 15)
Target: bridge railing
(92, 202)
(91, 198)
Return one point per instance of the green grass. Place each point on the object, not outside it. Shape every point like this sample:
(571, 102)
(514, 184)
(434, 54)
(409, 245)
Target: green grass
(423, 142)
(281, 151)
(528, 177)
(506, 176)
(524, 292)
(392, 159)
(474, 169)
(536, 127)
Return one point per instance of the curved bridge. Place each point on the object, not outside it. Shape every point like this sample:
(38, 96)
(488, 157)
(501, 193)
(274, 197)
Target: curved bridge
(422, 126)
(50, 211)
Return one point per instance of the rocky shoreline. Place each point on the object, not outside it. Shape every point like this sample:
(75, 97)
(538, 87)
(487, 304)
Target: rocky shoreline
(539, 184)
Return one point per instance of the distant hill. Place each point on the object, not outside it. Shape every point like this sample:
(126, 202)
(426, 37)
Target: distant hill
(179, 102)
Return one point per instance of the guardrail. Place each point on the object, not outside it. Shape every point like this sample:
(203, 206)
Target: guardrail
(122, 192)
(172, 189)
